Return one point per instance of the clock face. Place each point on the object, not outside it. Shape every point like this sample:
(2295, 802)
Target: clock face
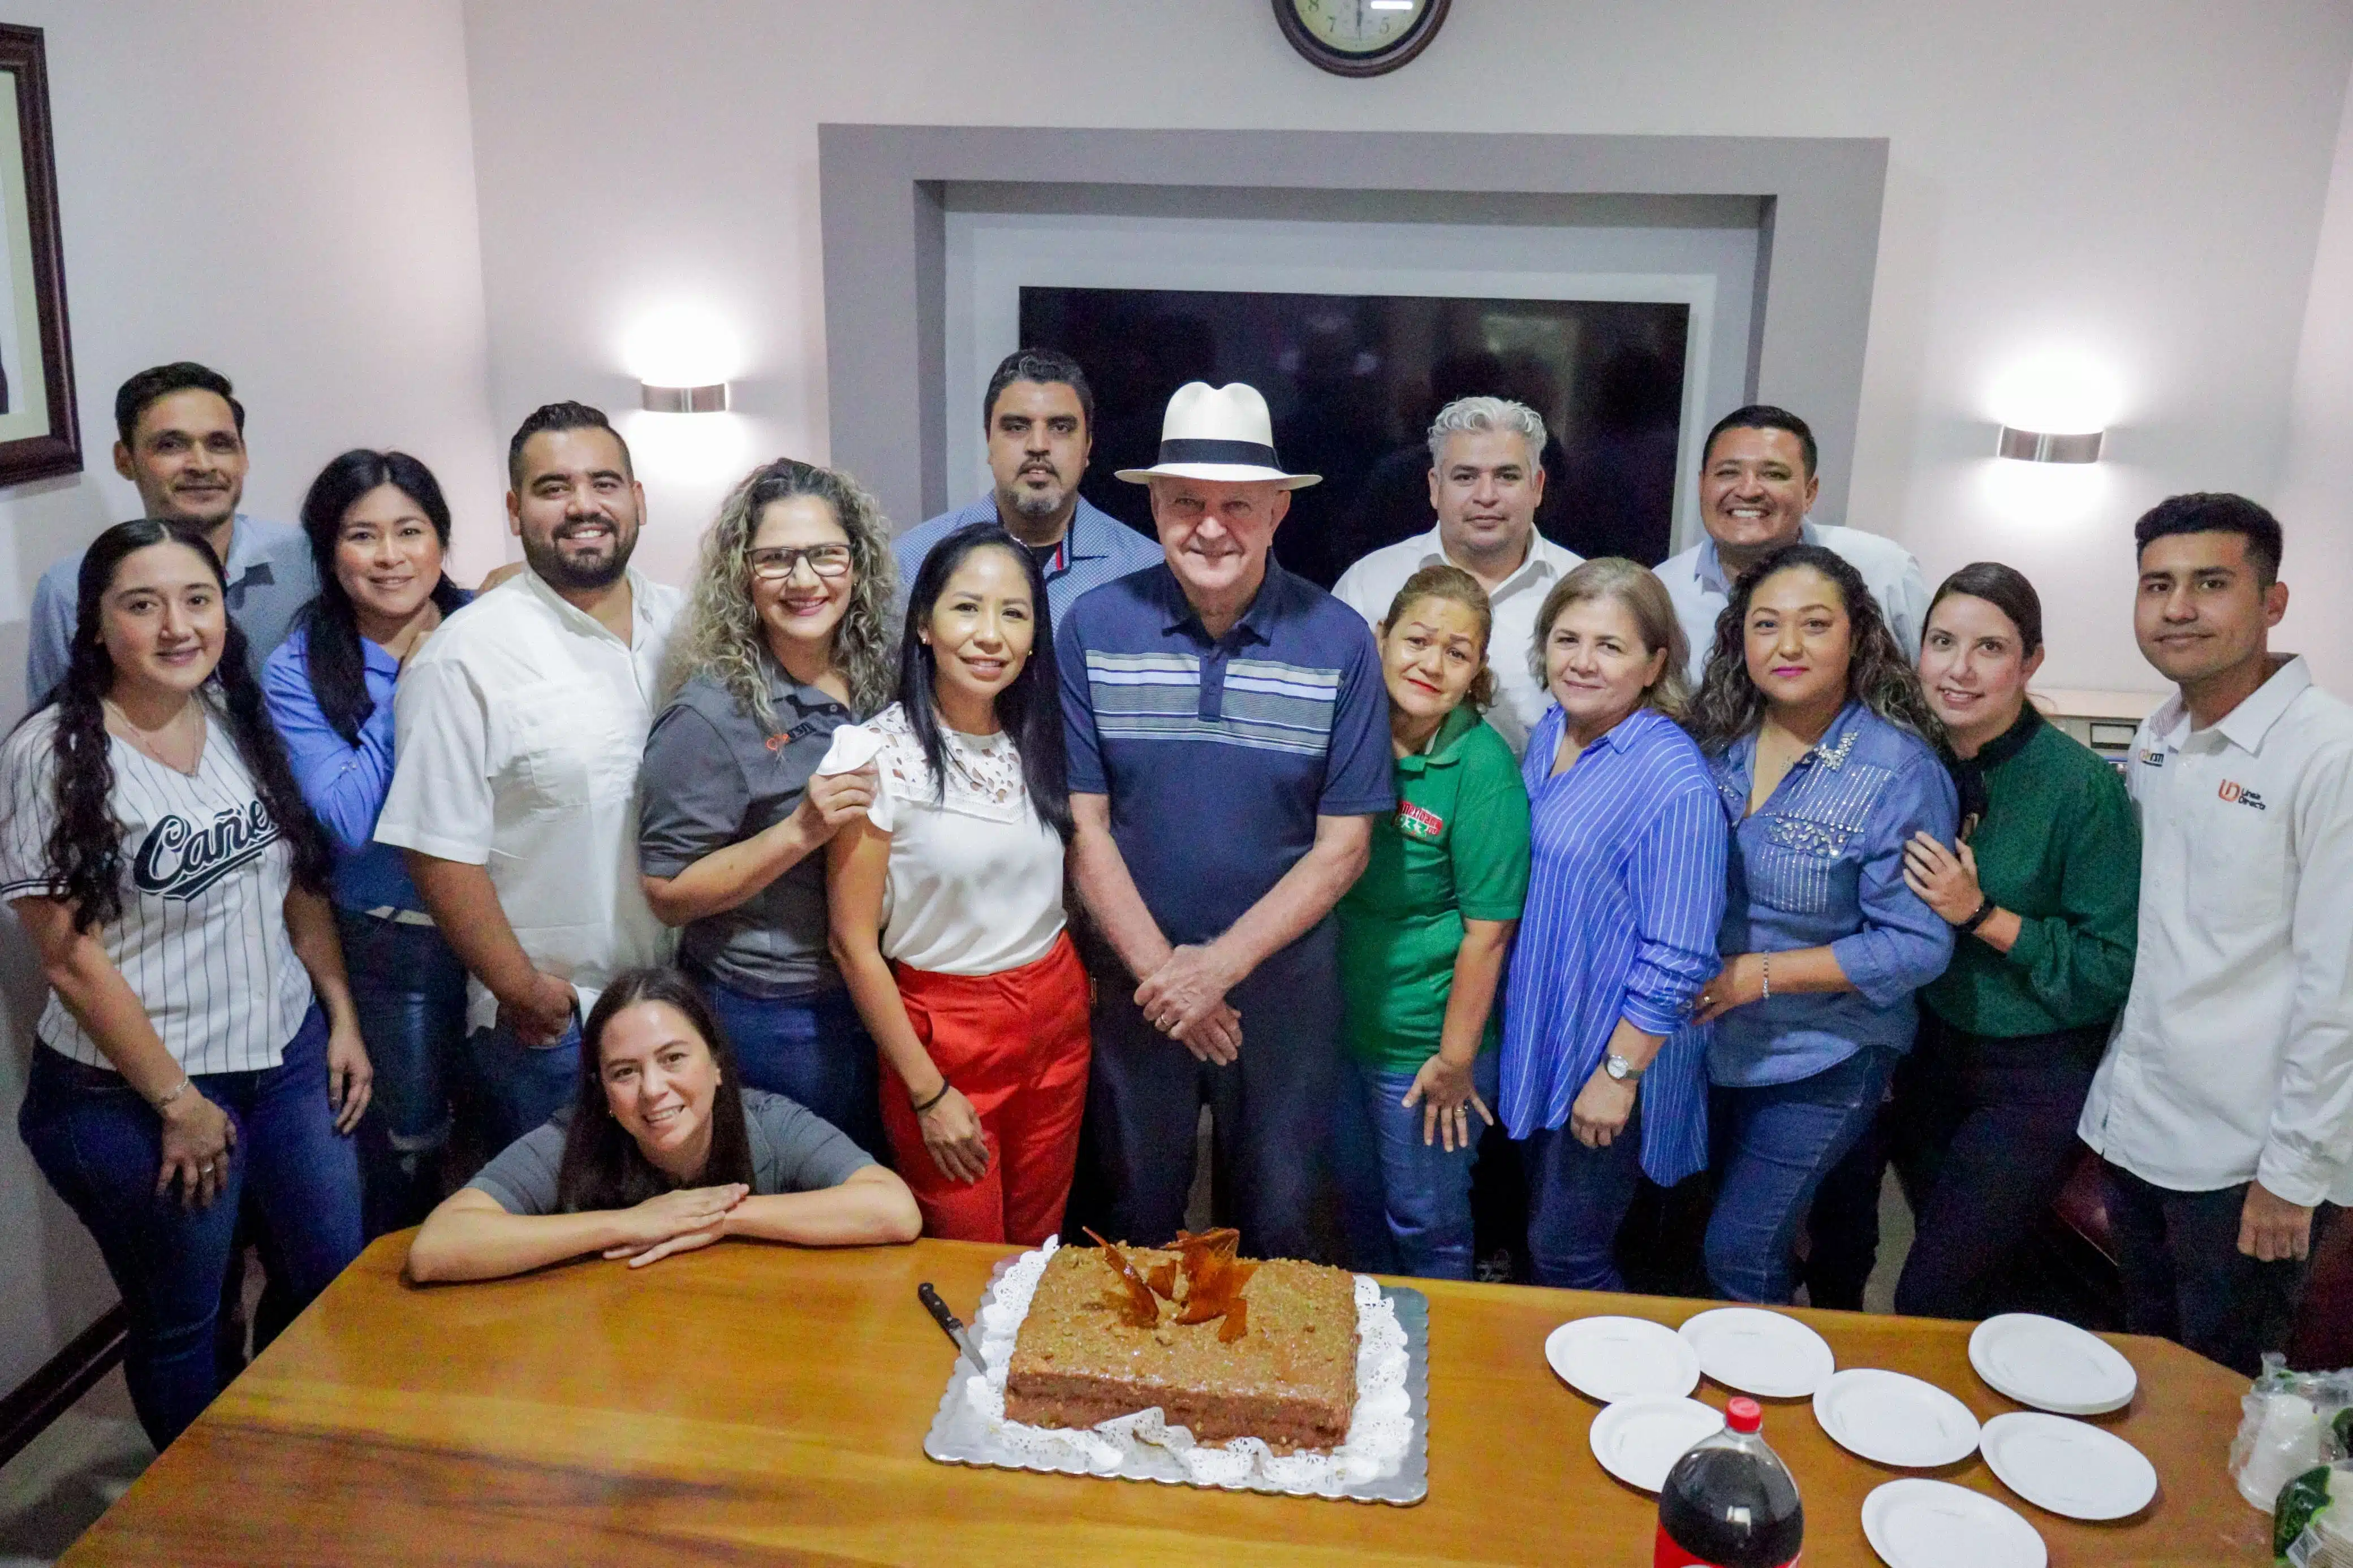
(1360, 38)
(1358, 27)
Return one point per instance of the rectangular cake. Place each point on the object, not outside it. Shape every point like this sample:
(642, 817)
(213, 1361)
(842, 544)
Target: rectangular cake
(1280, 1366)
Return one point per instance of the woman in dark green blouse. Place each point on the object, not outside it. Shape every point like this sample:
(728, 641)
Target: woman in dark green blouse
(2043, 891)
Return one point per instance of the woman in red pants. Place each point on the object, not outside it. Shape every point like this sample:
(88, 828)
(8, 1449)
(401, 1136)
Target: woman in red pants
(946, 903)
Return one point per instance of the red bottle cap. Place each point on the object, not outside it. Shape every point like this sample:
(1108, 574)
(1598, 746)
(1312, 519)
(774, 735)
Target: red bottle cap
(1744, 1416)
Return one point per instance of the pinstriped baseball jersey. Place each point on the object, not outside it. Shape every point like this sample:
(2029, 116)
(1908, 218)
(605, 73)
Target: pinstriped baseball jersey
(202, 938)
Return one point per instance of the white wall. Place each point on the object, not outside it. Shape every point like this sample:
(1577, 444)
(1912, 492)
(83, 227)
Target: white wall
(2315, 505)
(2146, 190)
(285, 191)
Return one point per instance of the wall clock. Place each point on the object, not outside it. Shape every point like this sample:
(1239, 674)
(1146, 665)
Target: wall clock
(1360, 38)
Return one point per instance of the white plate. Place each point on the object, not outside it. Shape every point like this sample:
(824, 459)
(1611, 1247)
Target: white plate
(2067, 1466)
(2051, 1365)
(1914, 1523)
(1760, 1352)
(1639, 1440)
(1892, 1419)
(1610, 1359)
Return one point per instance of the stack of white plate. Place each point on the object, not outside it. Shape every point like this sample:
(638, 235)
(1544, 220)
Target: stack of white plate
(2051, 1365)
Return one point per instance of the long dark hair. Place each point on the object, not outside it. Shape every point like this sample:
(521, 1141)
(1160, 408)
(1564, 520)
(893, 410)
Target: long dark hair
(603, 1168)
(1030, 707)
(338, 671)
(85, 848)
(1878, 675)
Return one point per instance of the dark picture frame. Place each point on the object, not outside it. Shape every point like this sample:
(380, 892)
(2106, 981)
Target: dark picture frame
(40, 432)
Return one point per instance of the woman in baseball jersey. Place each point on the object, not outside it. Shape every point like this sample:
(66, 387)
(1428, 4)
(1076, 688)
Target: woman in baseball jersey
(155, 846)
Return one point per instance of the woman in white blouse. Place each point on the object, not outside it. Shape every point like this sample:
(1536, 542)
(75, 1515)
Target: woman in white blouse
(946, 903)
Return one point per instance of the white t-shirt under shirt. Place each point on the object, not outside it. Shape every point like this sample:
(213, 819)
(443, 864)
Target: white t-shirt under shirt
(975, 878)
(202, 939)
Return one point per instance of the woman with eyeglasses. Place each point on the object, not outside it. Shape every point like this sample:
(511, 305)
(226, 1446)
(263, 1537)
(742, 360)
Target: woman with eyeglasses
(787, 639)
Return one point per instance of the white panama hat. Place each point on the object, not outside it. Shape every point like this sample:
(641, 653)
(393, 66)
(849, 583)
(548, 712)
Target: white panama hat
(1219, 433)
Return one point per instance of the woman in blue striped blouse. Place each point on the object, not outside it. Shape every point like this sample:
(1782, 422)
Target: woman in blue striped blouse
(1602, 1078)
(1825, 757)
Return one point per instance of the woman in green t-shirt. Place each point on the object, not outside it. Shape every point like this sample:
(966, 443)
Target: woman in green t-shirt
(1423, 936)
(2043, 894)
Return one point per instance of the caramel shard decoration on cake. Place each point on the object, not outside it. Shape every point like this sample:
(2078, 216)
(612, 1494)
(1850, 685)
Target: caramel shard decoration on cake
(1278, 1363)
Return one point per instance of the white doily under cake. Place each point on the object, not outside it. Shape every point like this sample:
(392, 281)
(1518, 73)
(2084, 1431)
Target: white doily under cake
(1383, 1457)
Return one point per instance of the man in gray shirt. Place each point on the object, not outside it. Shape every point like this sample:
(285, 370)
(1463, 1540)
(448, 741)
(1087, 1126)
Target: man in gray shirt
(183, 445)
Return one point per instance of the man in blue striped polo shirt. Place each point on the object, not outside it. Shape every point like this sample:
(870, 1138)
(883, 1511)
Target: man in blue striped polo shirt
(1229, 745)
(1040, 416)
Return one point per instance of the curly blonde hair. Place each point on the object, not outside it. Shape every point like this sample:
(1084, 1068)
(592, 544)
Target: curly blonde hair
(723, 637)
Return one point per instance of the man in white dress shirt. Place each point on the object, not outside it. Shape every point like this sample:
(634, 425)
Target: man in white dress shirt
(1757, 483)
(520, 729)
(2224, 1105)
(1487, 480)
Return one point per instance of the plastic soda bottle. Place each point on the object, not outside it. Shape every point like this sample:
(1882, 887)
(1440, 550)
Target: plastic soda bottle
(1729, 1501)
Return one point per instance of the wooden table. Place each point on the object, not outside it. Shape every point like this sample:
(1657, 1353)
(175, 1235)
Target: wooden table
(753, 1404)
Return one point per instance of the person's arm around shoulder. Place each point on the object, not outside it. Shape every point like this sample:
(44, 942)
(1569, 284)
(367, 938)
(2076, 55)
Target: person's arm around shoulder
(2310, 1145)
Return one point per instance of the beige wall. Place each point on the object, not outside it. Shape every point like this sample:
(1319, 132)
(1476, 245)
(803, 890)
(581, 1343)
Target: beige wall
(2316, 502)
(2146, 191)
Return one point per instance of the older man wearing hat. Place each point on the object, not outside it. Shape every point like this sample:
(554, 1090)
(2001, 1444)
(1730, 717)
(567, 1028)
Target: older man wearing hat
(1229, 744)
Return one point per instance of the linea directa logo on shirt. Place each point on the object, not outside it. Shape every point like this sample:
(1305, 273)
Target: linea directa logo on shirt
(179, 859)
(2239, 794)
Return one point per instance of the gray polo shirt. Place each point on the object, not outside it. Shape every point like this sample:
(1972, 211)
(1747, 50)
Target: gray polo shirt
(793, 1150)
(714, 776)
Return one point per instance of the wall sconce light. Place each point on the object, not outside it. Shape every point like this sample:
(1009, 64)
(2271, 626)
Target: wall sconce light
(2040, 445)
(709, 399)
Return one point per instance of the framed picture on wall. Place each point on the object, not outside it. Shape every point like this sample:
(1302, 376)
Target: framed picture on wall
(40, 433)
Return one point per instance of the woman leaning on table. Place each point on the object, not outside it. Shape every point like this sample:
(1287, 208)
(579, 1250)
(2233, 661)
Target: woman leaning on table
(1603, 1079)
(947, 902)
(378, 530)
(786, 639)
(157, 850)
(1825, 760)
(664, 1149)
(1423, 935)
(2043, 894)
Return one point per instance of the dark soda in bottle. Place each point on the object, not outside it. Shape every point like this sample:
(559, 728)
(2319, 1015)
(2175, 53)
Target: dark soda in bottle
(1729, 1501)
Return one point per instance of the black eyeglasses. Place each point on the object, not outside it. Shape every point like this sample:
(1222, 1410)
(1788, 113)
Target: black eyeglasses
(824, 559)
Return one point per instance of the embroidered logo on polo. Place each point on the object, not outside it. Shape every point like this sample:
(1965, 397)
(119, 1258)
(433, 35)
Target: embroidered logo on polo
(180, 859)
(2239, 794)
(2152, 758)
(783, 738)
(1415, 822)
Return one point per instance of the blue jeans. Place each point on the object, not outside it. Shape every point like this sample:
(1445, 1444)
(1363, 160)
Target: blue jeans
(410, 991)
(1407, 1204)
(1773, 1147)
(99, 1145)
(1577, 1199)
(519, 1086)
(812, 1049)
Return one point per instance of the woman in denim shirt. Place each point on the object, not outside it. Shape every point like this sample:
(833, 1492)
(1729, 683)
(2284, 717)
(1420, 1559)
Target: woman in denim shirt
(378, 529)
(1826, 759)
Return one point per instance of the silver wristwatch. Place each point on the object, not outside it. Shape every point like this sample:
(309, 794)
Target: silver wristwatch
(1621, 1070)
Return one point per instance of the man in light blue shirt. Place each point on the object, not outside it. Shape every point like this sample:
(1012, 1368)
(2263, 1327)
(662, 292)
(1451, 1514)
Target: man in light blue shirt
(183, 445)
(1757, 484)
(1040, 415)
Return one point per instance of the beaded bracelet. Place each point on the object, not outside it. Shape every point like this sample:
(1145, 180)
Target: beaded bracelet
(1768, 977)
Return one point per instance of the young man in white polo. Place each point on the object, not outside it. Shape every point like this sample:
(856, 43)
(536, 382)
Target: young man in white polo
(2224, 1105)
